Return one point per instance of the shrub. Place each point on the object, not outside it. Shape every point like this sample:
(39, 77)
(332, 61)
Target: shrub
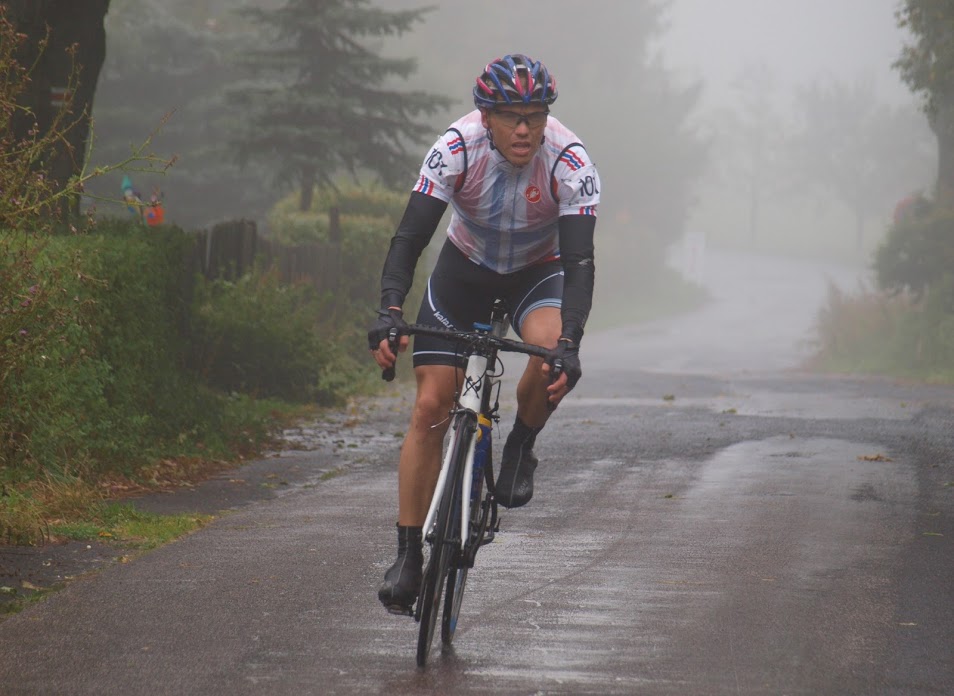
(108, 359)
(888, 333)
(918, 251)
(258, 337)
(112, 389)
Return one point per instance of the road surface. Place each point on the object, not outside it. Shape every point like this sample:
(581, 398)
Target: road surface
(708, 520)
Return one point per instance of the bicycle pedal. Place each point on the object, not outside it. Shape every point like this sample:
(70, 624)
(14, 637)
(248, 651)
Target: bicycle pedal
(399, 610)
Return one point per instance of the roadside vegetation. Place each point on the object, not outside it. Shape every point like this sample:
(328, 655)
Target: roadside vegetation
(905, 326)
(122, 370)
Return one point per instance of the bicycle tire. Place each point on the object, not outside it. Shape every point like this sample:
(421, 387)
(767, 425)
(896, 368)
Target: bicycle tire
(457, 577)
(441, 555)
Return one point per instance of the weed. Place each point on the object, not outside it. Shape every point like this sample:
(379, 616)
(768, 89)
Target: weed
(889, 333)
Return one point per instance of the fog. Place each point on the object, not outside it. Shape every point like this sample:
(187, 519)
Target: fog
(795, 44)
(734, 122)
(712, 46)
(799, 41)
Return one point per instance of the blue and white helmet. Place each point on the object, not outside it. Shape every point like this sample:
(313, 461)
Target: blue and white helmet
(514, 79)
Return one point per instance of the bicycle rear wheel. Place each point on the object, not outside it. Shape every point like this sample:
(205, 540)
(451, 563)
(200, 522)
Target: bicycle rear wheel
(446, 540)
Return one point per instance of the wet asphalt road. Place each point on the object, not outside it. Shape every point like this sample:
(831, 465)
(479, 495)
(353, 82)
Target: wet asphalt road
(707, 521)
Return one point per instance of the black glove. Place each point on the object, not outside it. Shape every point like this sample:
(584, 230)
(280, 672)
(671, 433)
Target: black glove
(568, 353)
(387, 319)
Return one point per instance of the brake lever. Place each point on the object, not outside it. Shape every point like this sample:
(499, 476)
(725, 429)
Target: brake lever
(387, 374)
(556, 369)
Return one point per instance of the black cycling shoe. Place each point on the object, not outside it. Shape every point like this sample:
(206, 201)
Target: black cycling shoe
(514, 486)
(402, 581)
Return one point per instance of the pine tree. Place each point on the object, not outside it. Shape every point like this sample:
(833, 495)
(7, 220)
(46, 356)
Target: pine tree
(324, 102)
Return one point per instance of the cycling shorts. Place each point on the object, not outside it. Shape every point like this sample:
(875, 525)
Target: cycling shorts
(461, 293)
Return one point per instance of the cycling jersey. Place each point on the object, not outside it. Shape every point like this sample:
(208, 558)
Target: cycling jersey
(505, 217)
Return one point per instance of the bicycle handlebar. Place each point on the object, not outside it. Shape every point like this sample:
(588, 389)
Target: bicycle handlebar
(473, 337)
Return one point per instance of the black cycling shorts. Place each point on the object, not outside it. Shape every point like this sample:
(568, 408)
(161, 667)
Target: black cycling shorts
(461, 293)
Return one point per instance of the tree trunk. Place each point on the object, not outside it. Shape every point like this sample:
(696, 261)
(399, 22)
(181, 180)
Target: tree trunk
(943, 126)
(307, 189)
(66, 23)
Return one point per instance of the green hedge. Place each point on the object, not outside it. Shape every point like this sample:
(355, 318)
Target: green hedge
(115, 355)
(260, 337)
(110, 386)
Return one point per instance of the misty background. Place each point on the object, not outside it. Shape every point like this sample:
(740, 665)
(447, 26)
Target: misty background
(771, 126)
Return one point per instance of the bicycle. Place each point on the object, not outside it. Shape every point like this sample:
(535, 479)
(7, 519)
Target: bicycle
(458, 520)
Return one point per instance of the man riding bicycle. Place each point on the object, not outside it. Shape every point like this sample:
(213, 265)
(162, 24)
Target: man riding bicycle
(524, 195)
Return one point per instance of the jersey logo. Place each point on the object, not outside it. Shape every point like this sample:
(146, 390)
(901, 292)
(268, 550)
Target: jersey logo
(436, 162)
(533, 194)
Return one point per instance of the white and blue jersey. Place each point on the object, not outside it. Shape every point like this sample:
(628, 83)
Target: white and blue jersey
(505, 217)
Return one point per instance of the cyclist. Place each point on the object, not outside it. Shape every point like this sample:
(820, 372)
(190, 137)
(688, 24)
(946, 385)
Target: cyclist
(524, 195)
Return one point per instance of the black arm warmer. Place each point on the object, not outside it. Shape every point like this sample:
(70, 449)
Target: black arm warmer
(579, 272)
(421, 217)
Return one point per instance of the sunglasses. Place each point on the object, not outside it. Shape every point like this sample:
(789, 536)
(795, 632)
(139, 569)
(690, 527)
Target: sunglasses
(512, 119)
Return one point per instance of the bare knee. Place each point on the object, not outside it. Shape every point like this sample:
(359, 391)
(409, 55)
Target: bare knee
(429, 411)
(432, 405)
(542, 327)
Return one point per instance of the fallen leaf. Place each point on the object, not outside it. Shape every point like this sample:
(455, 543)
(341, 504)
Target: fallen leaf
(27, 585)
(874, 458)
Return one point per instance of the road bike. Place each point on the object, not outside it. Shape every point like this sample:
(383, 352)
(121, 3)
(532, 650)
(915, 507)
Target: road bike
(462, 515)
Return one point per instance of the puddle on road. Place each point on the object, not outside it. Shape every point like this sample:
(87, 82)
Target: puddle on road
(770, 405)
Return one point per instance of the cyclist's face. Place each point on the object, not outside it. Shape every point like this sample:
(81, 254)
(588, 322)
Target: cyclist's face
(517, 130)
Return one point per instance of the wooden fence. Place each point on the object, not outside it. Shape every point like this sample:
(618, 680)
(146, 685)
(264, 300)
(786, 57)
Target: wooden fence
(231, 249)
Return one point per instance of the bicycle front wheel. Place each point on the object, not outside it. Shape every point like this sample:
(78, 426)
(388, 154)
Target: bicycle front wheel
(446, 541)
(457, 577)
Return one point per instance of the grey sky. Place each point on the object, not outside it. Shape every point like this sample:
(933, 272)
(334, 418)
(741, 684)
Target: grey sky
(800, 41)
